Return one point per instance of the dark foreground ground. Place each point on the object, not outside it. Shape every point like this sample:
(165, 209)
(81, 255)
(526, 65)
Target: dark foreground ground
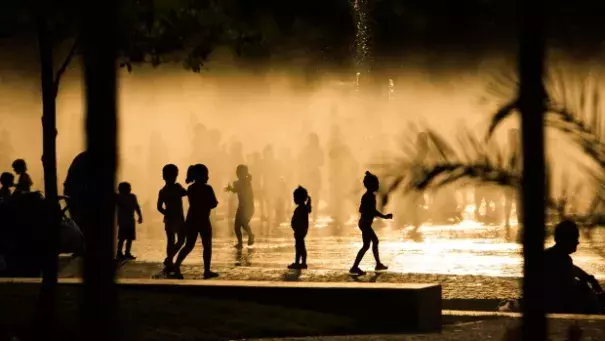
(160, 316)
(500, 329)
(164, 316)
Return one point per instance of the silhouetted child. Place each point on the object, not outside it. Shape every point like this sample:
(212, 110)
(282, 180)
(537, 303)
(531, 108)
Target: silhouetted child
(245, 208)
(202, 201)
(127, 205)
(7, 180)
(368, 213)
(300, 225)
(170, 204)
(24, 183)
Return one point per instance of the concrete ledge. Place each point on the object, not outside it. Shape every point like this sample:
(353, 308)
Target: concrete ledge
(474, 313)
(392, 306)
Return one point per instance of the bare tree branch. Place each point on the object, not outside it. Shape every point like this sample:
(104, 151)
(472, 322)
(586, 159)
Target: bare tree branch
(63, 68)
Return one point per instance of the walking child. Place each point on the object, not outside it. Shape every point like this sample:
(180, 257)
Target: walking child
(170, 205)
(127, 205)
(202, 201)
(7, 180)
(368, 213)
(24, 183)
(300, 225)
(245, 208)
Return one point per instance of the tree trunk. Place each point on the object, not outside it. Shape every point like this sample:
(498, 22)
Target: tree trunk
(532, 98)
(49, 162)
(99, 56)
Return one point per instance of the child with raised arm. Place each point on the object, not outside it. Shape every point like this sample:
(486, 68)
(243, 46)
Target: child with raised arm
(202, 201)
(127, 205)
(170, 205)
(245, 207)
(368, 213)
(300, 225)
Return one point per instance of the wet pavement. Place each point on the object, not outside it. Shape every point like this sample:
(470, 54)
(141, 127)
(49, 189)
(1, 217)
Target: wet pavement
(467, 248)
(470, 260)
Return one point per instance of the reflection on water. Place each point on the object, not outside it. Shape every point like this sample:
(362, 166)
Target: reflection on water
(467, 248)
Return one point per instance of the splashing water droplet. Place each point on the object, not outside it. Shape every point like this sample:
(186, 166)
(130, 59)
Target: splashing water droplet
(362, 38)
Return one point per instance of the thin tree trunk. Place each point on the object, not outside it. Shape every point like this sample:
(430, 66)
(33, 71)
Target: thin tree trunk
(99, 56)
(49, 161)
(532, 105)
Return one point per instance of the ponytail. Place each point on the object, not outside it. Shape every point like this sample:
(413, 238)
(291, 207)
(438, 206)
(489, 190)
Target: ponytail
(309, 204)
(189, 178)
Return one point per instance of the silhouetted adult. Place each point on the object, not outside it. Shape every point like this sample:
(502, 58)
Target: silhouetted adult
(236, 157)
(510, 194)
(286, 168)
(342, 168)
(270, 183)
(417, 198)
(568, 289)
(158, 157)
(245, 209)
(77, 188)
(310, 162)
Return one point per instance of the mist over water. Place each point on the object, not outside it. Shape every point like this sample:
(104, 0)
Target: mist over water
(171, 115)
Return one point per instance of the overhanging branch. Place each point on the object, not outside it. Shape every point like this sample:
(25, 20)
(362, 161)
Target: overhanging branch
(64, 66)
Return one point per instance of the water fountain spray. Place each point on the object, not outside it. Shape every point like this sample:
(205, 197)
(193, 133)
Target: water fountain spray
(391, 89)
(362, 39)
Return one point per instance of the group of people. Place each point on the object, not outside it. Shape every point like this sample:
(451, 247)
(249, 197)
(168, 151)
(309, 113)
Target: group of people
(9, 187)
(183, 229)
(327, 168)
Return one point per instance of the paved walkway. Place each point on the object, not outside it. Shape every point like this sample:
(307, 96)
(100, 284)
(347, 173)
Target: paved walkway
(500, 329)
(454, 286)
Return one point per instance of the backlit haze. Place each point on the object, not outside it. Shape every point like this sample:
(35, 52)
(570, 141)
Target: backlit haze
(161, 108)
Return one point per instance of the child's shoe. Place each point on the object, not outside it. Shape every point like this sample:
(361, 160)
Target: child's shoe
(209, 274)
(357, 271)
(381, 267)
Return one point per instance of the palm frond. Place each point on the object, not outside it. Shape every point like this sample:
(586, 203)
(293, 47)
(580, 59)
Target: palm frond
(503, 113)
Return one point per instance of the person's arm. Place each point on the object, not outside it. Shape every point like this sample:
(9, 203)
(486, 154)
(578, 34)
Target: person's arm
(383, 216)
(584, 276)
(231, 188)
(183, 191)
(137, 209)
(160, 205)
(370, 207)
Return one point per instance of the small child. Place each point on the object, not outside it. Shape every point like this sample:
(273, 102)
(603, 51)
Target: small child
(170, 204)
(127, 205)
(7, 180)
(245, 207)
(24, 183)
(368, 213)
(300, 225)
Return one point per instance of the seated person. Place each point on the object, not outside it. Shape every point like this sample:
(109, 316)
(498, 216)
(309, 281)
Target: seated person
(568, 289)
